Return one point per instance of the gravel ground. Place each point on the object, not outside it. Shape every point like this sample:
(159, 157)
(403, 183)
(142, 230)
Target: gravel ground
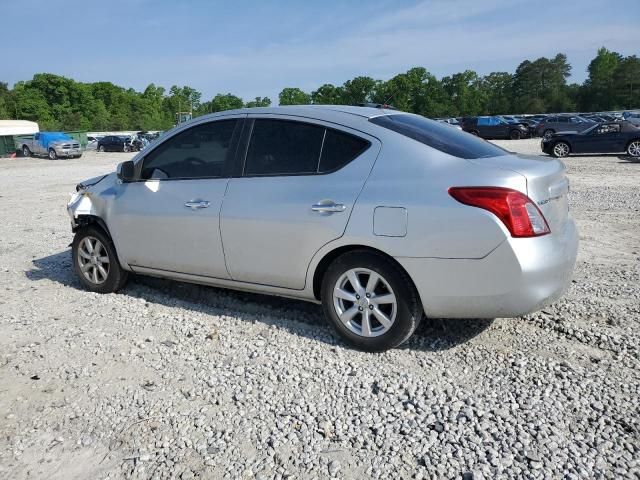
(169, 380)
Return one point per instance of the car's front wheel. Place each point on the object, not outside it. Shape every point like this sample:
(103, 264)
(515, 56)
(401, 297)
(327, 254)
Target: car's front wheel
(370, 301)
(561, 149)
(52, 154)
(95, 261)
(633, 150)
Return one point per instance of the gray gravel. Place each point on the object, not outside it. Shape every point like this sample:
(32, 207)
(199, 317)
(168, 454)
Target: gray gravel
(169, 380)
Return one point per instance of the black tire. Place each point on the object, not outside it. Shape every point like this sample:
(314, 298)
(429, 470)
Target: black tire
(548, 132)
(515, 135)
(126, 148)
(116, 275)
(101, 149)
(52, 154)
(25, 151)
(633, 149)
(408, 306)
(474, 132)
(561, 149)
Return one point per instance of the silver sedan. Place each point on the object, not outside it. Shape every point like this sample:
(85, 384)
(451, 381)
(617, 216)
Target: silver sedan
(381, 216)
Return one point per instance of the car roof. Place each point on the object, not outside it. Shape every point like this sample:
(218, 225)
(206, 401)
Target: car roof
(312, 111)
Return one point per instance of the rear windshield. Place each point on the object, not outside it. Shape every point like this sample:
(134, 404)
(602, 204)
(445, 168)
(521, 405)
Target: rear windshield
(440, 136)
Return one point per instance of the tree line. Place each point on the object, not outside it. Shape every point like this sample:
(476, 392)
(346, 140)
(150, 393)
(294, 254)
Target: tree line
(538, 86)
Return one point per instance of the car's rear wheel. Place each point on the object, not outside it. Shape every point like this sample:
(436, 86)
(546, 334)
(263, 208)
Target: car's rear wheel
(514, 135)
(370, 301)
(101, 148)
(52, 154)
(95, 261)
(561, 149)
(548, 133)
(633, 150)
(26, 152)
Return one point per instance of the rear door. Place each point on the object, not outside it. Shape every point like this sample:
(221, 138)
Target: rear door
(293, 193)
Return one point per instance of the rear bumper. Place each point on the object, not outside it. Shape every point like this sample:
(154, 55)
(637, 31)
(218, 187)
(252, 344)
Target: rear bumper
(520, 276)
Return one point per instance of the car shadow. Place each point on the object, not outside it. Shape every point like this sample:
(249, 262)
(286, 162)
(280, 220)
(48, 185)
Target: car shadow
(628, 159)
(294, 315)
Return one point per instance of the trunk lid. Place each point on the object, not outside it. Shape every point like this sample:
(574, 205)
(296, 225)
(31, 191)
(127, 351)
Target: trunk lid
(547, 183)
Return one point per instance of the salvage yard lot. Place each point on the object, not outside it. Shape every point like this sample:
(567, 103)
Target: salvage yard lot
(167, 379)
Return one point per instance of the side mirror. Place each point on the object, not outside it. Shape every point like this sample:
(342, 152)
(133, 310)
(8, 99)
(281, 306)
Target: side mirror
(126, 171)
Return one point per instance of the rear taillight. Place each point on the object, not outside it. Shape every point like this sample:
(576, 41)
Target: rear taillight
(520, 215)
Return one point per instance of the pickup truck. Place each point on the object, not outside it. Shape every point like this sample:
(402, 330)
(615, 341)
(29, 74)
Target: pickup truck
(50, 144)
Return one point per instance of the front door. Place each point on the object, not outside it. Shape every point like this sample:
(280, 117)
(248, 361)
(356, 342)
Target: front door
(170, 219)
(605, 138)
(294, 194)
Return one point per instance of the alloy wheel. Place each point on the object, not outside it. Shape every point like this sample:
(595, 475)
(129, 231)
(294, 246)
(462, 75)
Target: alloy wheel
(365, 302)
(634, 148)
(561, 149)
(93, 259)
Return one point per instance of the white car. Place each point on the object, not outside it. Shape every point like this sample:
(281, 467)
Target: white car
(379, 215)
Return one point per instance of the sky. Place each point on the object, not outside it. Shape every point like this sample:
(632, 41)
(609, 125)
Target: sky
(256, 48)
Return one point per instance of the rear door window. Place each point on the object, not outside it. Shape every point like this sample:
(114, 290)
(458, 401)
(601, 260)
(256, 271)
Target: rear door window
(285, 147)
(439, 136)
(282, 147)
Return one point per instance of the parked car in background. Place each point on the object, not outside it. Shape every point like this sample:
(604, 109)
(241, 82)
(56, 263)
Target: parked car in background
(51, 144)
(312, 203)
(454, 122)
(494, 127)
(114, 143)
(563, 123)
(607, 137)
(530, 124)
(633, 117)
(92, 142)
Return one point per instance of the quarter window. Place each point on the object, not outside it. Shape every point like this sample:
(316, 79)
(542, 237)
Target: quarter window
(340, 148)
(199, 152)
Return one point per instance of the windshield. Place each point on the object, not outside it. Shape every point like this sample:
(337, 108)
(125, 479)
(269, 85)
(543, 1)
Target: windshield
(441, 137)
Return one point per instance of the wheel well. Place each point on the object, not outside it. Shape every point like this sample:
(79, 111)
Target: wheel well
(631, 141)
(90, 220)
(322, 267)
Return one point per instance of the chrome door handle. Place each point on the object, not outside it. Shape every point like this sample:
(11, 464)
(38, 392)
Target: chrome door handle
(328, 207)
(196, 204)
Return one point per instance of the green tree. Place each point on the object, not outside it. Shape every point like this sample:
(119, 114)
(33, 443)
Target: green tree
(328, 94)
(259, 102)
(465, 92)
(416, 91)
(220, 103)
(597, 89)
(541, 85)
(358, 90)
(294, 96)
(626, 82)
(497, 88)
